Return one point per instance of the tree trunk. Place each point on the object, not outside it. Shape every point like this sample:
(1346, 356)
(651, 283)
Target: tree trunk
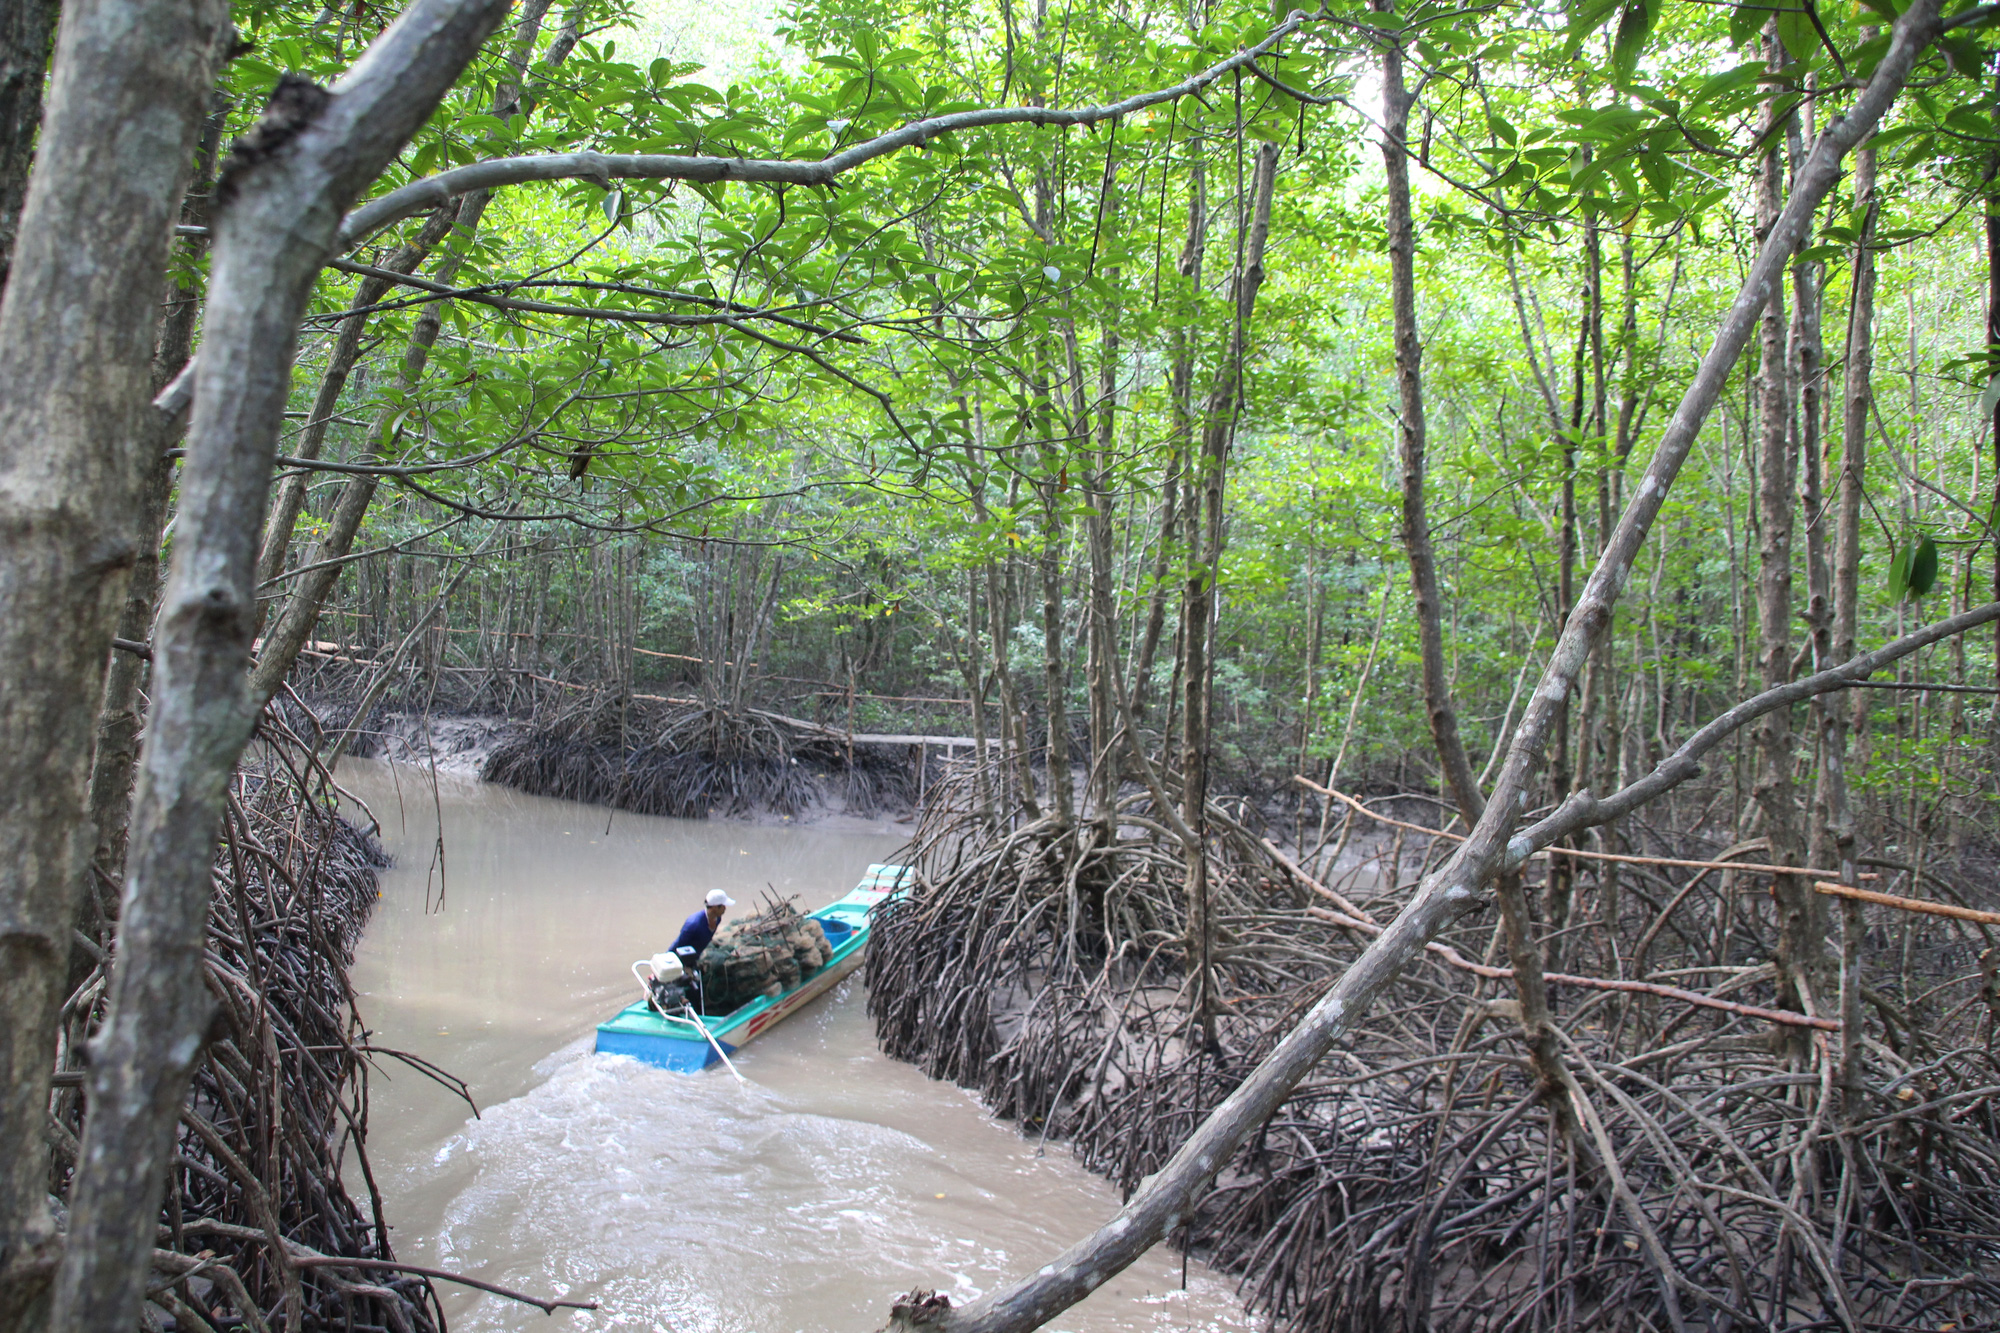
(1397, 101)
(131, 83)
(1831, 798)
(1055, 675)
(1808, 379)
(1204, 537)
(1180, 391)
(118, 720)
(1537, 1031)
(1772, 791)
(270, 241)
(1993, 364)
(1562, 773)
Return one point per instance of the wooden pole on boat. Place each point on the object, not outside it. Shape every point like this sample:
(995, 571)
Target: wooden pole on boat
(703, 1029)
(653, 1002)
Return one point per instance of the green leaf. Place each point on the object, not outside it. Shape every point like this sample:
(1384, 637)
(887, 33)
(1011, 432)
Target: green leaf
(1735, 80)
(1964, 55)
(1586, 17)
(1899, 573)
(1635, 25)
(1990, 399)
(1797, 34)
(1746, 21)
(1924, 567)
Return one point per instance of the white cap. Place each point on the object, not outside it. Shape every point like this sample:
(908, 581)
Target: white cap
(717, 898)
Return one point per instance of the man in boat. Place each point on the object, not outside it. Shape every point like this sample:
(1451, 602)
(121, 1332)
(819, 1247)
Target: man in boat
(697, 932)
(699, 929)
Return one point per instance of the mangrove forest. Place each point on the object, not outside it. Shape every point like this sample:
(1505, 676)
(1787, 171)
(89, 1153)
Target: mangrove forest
(1423, 580)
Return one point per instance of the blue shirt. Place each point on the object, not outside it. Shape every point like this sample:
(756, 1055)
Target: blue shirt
(696, 932)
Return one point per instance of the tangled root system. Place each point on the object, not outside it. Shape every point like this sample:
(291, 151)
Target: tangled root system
(694, 761)
(279, 1105)
(1704, 1170)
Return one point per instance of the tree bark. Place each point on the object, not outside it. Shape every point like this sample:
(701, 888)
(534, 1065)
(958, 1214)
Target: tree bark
(1180, 448)
(118, 722)
(1524, 951)
(271, 238)
(1772, 737)
(1808, 381)
(1831, 797)
(1168, 1197)
(1993, 367)
(1203, 518)
(131, 83)
(1396, 104)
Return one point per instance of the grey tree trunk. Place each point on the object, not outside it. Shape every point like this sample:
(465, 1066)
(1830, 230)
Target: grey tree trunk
(1397, 101)
(118, 722)
(270, 241)
(119, 715)
(1772, 737)
(130, 83)
(1524, 950)
(1832, 796)
(1175, 479)
(1203, 519)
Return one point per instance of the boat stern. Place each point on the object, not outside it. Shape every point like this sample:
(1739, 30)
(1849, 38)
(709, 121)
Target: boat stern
(668, 1044)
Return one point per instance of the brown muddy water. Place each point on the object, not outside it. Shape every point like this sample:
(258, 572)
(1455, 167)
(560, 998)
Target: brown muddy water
(805, 1201)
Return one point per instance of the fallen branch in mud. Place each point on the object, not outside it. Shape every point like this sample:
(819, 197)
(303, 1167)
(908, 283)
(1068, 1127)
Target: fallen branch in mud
(1907, 904)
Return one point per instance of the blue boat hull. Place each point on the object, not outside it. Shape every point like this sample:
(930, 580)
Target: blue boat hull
(663, 1049)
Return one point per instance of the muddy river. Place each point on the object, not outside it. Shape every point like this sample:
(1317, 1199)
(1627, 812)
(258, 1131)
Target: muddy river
(806, 1200)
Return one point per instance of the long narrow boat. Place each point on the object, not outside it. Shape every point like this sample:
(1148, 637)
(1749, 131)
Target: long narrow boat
(674, 1043)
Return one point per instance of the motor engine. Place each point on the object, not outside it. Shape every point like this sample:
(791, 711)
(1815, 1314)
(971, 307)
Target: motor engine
(672, 981)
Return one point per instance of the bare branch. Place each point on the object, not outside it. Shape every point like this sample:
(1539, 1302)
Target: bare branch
(607, 167)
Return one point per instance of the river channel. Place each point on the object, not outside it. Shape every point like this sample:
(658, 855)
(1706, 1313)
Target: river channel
(804, 1200)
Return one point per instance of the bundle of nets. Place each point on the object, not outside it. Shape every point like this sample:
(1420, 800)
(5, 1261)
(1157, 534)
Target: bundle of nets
(765, 955)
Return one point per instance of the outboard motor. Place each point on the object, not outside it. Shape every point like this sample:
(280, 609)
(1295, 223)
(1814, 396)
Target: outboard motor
(671, 981)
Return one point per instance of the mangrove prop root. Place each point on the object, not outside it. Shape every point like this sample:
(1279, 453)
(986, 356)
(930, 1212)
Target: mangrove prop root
(694, 761)
(1418, 1179)
(278, 1110)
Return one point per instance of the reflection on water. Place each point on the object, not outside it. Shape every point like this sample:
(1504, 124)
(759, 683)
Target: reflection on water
(805, 1201)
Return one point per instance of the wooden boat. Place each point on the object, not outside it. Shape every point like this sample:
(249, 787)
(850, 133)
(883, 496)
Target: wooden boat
(641, 1031)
